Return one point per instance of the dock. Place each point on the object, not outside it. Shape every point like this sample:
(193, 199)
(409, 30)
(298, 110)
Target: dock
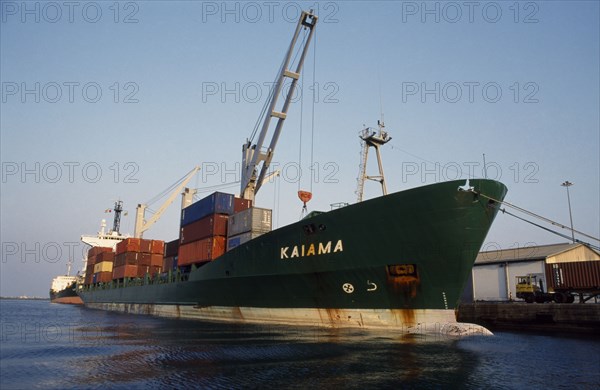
(546, 317)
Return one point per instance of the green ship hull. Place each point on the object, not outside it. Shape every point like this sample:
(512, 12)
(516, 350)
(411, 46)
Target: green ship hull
(397, 261)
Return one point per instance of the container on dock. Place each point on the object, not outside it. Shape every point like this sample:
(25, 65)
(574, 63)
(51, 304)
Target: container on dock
(240, 239)
(211, 225)
(254, 219)
(577, 275)
(216, 203)
(201, 251)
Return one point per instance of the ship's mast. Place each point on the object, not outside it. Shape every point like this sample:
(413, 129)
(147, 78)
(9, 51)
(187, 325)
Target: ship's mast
(371, 138)
(117, 220)
(253, 153)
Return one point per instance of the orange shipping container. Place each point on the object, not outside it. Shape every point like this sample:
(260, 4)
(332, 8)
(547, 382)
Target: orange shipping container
(147, 259)
(105, 256)
(211, 225)
(128, 245)
(96, 250)
(102, 277)
(241, 204)
(127, 258)
(202, 250)
(151, 270)
(158, 247)
(126, 271)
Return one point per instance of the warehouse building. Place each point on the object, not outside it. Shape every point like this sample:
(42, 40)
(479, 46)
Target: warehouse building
(493, 277)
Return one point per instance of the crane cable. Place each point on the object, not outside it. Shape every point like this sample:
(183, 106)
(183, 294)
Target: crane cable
(532, 214)
(168, 189)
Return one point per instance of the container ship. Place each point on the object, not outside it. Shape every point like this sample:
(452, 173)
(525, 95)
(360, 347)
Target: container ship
(398, 261)
(64, 290)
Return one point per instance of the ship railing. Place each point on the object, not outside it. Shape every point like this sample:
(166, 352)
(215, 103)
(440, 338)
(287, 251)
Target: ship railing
(163, 278)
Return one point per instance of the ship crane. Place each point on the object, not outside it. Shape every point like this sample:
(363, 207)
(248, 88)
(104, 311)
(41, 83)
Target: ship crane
(141, 225)
(253, 154)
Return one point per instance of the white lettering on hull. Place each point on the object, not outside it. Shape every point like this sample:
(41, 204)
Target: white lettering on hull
(320, 248)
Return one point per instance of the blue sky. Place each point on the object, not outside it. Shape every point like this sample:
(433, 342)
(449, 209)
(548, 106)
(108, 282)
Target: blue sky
(182, 84)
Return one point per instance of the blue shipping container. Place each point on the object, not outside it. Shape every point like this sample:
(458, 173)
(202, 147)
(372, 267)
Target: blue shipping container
(216, 203)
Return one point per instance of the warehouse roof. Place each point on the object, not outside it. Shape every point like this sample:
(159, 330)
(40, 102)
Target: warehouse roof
(523, 253)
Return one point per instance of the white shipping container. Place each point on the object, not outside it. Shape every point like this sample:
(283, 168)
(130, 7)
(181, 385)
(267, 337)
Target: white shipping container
(240, 239)
(254, 219)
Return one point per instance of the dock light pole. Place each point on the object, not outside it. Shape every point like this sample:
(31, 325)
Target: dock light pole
(568, 184)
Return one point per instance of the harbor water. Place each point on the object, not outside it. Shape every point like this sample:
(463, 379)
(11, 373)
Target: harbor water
(46, 345)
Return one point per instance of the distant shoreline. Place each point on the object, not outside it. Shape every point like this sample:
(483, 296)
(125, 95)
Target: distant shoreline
(27, 298)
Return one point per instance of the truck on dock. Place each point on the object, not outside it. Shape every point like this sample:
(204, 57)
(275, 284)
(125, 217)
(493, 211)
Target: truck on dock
(566, 280)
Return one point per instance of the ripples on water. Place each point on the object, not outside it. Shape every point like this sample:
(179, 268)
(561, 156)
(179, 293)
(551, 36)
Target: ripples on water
(46, 345)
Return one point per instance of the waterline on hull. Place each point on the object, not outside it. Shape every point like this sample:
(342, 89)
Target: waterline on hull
(404, 321)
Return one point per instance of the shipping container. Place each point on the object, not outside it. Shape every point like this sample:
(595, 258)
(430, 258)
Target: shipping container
(150, 259)
(96, 250)
(254, 219)
(216, 203)
(240, 239)
(241, 204)
(127, 258)
(126, 271)
(128, 245)
(102, 277)
(158, 247)
(171, 248)
(201, 251)
(105, 256)
(580, 275)
(150, 270)
(169, 263)
(104, 266)
(211, 225)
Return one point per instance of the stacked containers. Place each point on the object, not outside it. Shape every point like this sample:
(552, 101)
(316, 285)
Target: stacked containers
(247, 225)
(170, 256)
(95, 256)
(103, 267)
(204, 229)
(135, 257)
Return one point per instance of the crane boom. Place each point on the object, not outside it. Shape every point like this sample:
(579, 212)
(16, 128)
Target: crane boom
(141, 225)
(254, 154)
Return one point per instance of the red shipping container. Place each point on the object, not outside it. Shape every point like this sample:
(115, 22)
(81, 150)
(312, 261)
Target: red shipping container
(580, 275)
(202, 250)
(128, 245)
(105, 256)
(103, 277)
(241, 204)
(151, 270)
(127, 258)
(125, 271)
(148, 259)
(145, 246)
(158, 247)
(91, 260)
(212, 225)
(96, 250)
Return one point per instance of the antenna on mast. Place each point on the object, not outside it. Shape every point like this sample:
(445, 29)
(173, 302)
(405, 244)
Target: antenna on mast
(117, 219)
